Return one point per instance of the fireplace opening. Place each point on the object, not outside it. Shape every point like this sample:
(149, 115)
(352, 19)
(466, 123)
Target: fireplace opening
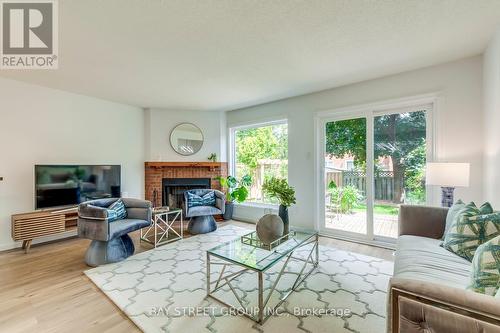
(174, 188)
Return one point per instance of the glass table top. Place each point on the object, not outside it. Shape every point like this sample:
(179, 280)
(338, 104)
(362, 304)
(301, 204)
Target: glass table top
(165, 210)
(257, 258)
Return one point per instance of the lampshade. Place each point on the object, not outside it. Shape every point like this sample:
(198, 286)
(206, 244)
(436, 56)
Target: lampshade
(447, 174)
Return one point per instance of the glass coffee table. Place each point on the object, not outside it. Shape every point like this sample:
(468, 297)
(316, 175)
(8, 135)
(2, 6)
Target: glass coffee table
(249, 258)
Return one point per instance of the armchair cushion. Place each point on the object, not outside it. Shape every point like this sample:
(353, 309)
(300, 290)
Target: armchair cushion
(423, 259)
(116, 211)
(203, 211)
(194, 200)
(122, 227)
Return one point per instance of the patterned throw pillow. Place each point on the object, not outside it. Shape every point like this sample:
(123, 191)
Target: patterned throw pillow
(453, 214)
(485, 274)
(196, 200)
(116, 211)
(472, 227)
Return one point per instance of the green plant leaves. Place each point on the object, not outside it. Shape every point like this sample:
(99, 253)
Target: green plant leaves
(240, 194)
(278, 188)
(344, 197)
(231, 182)
(222, 181)
(236, 190)
(246, 180)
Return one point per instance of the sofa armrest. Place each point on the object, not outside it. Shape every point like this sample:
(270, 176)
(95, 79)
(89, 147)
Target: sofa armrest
(415, 306)
(220, 201)
(93, 228)
(93, 219)
(92, 212)
(424, 221)
(136, 203)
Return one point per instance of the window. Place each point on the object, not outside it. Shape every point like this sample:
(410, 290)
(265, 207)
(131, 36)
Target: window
(261, 152)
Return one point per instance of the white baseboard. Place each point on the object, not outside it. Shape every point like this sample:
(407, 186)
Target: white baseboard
(251, 212)
(14, 245)
(244, 219)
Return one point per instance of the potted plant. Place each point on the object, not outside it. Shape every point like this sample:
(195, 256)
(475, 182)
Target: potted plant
(279, 189)
(236, 190)
(212, 157)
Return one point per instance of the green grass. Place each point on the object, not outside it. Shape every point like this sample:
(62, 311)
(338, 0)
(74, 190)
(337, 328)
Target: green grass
(378, 209)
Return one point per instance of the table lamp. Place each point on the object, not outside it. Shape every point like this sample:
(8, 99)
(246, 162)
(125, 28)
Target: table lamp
(448, 176)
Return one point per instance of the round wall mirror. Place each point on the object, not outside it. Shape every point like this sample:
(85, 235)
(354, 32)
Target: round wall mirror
(186, 139)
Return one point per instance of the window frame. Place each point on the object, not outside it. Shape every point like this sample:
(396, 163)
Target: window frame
(232, 151)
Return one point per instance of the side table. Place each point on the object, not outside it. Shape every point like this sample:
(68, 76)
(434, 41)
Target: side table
(161, 230)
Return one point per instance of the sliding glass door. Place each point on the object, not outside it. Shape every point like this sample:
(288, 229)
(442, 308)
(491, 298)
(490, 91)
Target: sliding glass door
(371, 164)
(345, 175)
(400, 153)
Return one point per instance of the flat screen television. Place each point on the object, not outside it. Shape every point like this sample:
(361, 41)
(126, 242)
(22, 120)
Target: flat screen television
(68, 185)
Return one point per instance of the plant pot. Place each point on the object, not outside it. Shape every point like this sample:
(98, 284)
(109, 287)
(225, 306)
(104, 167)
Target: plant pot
(228, 213)
(283, 213)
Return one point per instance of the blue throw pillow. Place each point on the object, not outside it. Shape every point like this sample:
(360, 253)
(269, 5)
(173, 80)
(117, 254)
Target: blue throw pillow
(196, 200)
(117, 211)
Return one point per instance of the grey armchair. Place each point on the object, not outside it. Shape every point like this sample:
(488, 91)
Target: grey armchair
(201, 217)
(110, 240)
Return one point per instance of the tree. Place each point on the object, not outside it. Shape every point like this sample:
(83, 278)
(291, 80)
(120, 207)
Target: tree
(415, 174)
(395, 135)
(347, 137)
(269, 142)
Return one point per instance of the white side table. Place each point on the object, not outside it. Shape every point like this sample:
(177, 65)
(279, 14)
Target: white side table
(161, 230)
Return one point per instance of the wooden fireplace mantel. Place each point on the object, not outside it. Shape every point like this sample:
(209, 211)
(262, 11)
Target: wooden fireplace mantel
(210, 165)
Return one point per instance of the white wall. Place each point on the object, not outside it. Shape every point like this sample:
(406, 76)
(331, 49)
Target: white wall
(459, 124)
(41, 125)
(45, 126)
(160, 122)
(491, 83)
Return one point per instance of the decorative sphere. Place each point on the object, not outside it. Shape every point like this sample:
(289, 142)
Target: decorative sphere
(270, 228)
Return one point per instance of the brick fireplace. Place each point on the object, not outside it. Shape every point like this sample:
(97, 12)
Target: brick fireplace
(157, 174)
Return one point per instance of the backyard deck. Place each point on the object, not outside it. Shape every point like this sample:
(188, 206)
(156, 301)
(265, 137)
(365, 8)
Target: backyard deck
(384, 225)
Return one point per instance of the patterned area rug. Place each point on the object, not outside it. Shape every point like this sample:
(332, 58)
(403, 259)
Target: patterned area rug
(163, 290)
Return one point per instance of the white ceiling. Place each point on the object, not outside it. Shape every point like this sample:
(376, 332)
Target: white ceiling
(225, 54)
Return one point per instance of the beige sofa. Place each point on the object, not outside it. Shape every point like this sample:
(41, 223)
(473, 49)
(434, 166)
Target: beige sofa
(428, 290)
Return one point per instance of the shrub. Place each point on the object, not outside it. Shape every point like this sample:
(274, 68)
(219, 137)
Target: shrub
(344, 197)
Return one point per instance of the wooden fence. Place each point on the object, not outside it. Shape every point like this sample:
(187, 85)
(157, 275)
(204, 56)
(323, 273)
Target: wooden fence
(384, 182)
(265, 168)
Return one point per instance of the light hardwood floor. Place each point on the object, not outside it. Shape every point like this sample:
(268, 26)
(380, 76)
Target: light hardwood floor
(46, 290)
